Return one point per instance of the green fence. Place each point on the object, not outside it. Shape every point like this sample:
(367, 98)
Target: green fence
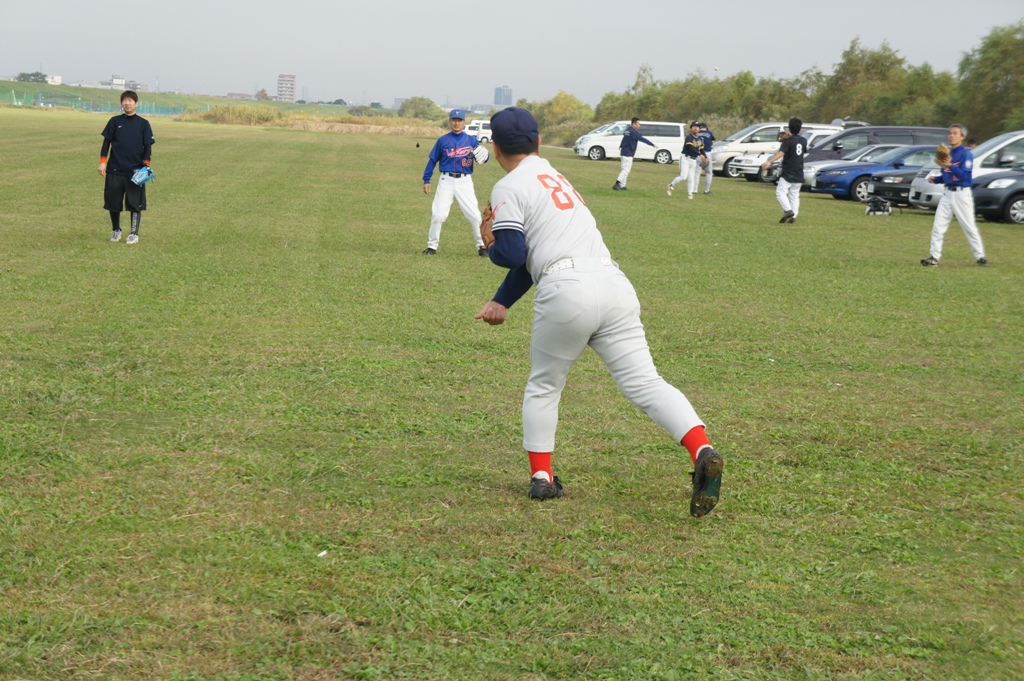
(60, 99)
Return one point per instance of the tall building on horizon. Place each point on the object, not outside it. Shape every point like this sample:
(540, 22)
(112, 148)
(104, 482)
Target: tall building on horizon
(286, 87)
(502, 96)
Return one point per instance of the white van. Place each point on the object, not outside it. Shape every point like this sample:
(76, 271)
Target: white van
(603, 142)
(479, 129)
(753, 140)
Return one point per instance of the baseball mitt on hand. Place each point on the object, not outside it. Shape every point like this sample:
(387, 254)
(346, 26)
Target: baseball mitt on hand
(480, 154)
(485, 226)
(942, 156)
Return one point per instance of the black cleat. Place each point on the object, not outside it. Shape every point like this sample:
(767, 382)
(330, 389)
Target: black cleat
(930, 262)
(707, 482)
(792, 220)
(482, 252)
(786, 216)
(430, 251)
(617, 186)
(983, 262)
(541, 489)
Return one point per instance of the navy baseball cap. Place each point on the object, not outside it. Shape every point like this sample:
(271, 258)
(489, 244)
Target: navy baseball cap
(458, 113)
(512, 126)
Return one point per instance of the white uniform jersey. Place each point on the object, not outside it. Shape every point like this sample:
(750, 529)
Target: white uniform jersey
(539, 202)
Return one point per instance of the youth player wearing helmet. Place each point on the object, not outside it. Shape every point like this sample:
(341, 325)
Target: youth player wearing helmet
(791, 177)
(689, 169)
(956, 176)
(545, 235)
(454, 152)
(127, 146)
(627, 147)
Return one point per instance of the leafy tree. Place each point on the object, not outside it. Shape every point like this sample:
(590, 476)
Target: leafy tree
(376, 105)
(34, 77)
(992, 82)
(421, 107)
(262, 95)
(861, 83)
(339, 102)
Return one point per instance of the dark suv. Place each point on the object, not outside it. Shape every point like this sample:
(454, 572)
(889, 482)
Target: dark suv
(844, 141)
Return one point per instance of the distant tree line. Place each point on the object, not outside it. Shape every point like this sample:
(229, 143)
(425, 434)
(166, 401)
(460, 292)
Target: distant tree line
(874, 85)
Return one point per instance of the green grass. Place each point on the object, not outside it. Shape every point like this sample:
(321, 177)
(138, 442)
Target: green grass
(275, 372)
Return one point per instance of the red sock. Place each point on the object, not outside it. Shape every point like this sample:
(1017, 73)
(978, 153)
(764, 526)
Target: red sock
(694, 440)
(541, 461)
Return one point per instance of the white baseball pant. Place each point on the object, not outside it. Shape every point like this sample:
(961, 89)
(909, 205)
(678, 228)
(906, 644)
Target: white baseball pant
(788, 194)
(627, 165)
(689, 171)
(959, 203)
(593, 304)
(708, 172)
(461, 190)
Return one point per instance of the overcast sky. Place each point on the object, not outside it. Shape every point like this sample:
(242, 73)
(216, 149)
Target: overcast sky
(457, 53)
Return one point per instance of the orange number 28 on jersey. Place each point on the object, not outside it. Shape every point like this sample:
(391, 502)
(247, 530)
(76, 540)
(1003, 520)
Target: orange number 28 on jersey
(559, 196)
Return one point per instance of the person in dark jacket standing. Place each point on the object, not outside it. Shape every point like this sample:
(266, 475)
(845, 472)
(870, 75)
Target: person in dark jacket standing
(628, 149)
(791, 151)
(127, 146)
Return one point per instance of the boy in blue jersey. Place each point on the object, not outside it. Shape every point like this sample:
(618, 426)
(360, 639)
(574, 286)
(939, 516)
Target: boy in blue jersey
(454, 152)
(127, 146)
(957, 176)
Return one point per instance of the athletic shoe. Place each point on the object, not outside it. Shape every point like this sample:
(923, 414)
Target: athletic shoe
(617, 186)
(930, 262)
(983, 262)
(482, 252)
(669, 190)
(786, 216)
(115, 235)
(707, 482)
(707, 192)
(132, 239)
(690, 196)
(430, 251)
(541, 489)
(792, 220)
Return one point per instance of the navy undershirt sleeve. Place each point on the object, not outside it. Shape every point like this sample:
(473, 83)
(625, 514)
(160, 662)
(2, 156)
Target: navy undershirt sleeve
(509, 250)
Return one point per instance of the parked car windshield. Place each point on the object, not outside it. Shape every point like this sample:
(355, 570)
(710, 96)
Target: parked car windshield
(742, 133)
(989, 145)
(890, 155)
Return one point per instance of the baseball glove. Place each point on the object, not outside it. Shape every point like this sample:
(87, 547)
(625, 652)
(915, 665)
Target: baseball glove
(485, 226)
(480, 154)
(143, 175)
(942, 156)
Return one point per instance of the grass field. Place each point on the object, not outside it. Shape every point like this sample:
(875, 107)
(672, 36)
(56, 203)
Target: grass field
(275, 372)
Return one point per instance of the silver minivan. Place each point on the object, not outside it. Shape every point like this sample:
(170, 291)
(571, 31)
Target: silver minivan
(603, 142)
(753, 140)
(998, 153)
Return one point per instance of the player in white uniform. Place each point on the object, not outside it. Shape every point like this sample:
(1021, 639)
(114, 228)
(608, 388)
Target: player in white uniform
(454, 153)
(957, 200)
(545, 234)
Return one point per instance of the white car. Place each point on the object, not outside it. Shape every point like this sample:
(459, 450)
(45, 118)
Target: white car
(603, 142)
(750, 166)
(998, 153)
(479, 129)
(753, 140)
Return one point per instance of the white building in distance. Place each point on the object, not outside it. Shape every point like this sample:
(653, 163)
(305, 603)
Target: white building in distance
(286, 87)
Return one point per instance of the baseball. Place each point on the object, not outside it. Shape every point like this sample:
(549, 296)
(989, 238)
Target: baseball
(716, 68)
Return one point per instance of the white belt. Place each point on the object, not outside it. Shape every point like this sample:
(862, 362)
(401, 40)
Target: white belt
(566, 263)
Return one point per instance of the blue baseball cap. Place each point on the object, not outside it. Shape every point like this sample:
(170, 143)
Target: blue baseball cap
(458, 113)
(512, 125)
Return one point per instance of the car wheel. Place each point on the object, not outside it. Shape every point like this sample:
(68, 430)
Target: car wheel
(596, 154)
(859, 190)
(764, 176)
(664, 156)
(1015, 210)
(750, 177)
(729, 170)
(485, 140)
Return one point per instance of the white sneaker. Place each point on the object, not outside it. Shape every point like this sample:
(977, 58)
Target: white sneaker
(115, 235)
(689, 196)
(132, 239)
(669, 190)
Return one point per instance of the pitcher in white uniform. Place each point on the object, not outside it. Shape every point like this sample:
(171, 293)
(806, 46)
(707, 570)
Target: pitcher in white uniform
(545, 235)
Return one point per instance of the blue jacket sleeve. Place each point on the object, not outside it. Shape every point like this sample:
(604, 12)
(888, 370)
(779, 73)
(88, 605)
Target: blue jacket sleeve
(432, 159)
(517, 282)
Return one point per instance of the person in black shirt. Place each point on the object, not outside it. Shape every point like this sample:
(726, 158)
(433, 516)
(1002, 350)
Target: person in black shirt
(127, 146)
(791, 151)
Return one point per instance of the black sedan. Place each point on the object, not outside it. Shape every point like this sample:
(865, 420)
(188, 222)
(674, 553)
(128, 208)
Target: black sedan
(1000, 196)
(892, 185)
